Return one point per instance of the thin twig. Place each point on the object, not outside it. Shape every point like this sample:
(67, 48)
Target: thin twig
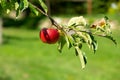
(40, 10)
(51, 19)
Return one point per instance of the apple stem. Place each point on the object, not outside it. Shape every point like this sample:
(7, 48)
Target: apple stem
(51, 19)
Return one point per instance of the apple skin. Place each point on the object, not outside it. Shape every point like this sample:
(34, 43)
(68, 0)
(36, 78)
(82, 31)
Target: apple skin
(49, 35)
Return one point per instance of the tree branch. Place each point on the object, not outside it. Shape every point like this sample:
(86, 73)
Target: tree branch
(51, 19)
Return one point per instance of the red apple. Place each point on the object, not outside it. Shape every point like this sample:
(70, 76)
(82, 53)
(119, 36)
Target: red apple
(49, 35)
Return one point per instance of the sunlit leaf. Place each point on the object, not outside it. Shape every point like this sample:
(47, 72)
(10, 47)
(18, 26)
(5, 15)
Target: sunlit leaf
(94, 43)
(83, 37)
(8, 11)
(77, 21)
(111, 38)
(69, 45)
(34, 10)
(80, 47)
(16, 5)
(76, 52)
(22, 6)
(19, 9)
(7, 6)
(61, 43)
(43, 5)
(85, 58)
(81, 56)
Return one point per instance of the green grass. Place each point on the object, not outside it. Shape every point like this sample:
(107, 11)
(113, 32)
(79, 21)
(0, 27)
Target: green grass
(24, 57)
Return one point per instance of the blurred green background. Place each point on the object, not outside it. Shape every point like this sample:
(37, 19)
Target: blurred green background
(24, 57)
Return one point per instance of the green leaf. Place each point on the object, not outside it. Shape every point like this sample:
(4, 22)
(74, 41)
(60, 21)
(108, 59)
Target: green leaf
(7, 6)
(25, 3)
(82, 57)
(43, 5)
(83, 37)
(93, 43)
(85, 58)
(8, 11)
(94, 46)
(61, 43)
(106, 18)
(16, 5)
(7, 3)
(22, 6)
(101, 29)
(69, 45)
(77, 21)
(3, 4)
(111, 38)
(18, 12)
(19, 9)
(88, 39)
(80, 46)
(76, 52)
(33, 9)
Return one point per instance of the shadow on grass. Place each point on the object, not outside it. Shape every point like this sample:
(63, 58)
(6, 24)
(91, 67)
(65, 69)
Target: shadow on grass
(7, 39)
(4, 75)
(5, 78)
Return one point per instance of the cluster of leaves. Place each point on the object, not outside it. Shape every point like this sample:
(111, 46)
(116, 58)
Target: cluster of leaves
(74, 34)
(20, 5)
(77, 32)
